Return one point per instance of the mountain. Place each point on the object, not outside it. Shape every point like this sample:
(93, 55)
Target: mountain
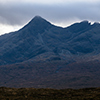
(39, 40)
(44, 55)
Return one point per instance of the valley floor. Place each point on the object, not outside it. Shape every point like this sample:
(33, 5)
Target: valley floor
(49, 94)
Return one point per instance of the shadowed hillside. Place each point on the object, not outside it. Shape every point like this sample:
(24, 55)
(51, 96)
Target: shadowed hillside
(51, 75)
(39, 40)
(42, 55)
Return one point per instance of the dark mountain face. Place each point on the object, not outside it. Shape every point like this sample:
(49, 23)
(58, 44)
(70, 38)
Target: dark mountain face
(39, 40)
(42, 55)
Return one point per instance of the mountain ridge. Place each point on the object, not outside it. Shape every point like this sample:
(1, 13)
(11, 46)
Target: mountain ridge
(39, 39)
(42, 55)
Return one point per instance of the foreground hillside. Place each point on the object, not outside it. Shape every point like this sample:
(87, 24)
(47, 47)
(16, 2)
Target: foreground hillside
(49, 94)
(58, 75)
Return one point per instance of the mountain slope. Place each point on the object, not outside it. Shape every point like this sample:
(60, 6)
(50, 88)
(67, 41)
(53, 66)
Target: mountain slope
(54, 74)
(42, 55)
(40, 40)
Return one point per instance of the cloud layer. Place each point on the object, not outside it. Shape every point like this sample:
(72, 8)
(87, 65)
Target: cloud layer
(19, 12)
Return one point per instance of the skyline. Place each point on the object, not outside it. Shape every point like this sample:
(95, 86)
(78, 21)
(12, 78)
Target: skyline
(15, 14)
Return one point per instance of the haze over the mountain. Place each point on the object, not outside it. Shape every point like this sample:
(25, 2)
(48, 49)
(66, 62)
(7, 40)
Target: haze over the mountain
(44, 55)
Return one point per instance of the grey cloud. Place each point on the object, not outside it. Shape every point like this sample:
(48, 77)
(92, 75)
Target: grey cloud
(19, 14)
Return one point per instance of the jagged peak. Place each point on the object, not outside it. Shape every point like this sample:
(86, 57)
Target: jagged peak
(37, 17)
(39, 20)
(96, 23)
(88, 22)
(85, 22)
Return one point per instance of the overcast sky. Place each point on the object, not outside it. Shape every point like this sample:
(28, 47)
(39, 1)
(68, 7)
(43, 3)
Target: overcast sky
(14, 14)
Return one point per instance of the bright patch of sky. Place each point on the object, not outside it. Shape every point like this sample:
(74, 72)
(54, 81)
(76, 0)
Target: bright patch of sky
(4, 29)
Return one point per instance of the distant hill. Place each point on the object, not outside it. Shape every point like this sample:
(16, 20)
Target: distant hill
(44, 55)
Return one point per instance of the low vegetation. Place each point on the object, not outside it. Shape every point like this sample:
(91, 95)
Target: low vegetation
(49, 94)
